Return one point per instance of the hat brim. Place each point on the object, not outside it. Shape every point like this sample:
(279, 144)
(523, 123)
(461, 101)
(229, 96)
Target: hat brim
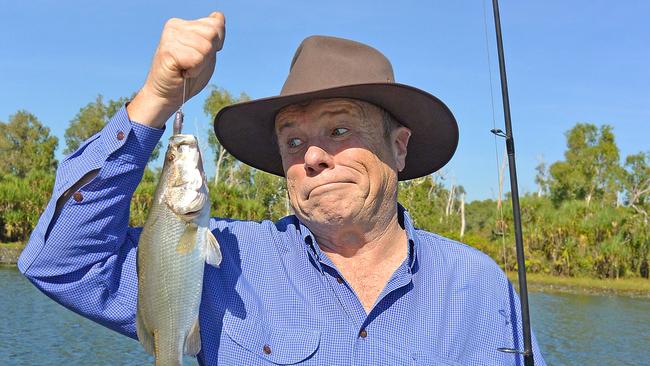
(246, 129)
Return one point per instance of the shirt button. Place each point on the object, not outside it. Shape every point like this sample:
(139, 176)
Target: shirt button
(267, 349)
(363, 333)
(78, 196)
(120, 135)
(339, 279)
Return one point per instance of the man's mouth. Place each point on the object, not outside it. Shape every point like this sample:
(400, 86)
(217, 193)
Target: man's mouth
(326, 187)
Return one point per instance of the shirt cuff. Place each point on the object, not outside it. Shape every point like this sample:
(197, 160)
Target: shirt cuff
(130, 140)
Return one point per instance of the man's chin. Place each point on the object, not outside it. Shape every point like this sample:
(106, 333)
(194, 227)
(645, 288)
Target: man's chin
(332, 215)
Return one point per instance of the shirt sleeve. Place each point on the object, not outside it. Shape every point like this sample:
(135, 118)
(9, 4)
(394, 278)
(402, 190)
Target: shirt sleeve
(82, 251)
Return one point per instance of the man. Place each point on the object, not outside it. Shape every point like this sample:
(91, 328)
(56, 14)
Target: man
(347, 279)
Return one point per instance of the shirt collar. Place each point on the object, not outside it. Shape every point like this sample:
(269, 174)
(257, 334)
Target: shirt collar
(406, 222)
(312, 248)
(319, 257)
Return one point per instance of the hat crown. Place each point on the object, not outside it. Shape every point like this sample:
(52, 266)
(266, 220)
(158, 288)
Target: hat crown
(329, 67)
(322, 62)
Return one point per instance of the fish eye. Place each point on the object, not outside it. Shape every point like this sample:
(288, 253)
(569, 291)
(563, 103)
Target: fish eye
(339, 131)
(170, 157)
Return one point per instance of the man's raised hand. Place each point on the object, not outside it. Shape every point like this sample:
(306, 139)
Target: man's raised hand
(186, 49)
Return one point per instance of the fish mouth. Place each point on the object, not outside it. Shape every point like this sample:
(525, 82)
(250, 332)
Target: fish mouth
(195, 209)
(187, 204)
(192, 214)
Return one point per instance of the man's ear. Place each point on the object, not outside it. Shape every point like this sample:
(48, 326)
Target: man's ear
(399, 138)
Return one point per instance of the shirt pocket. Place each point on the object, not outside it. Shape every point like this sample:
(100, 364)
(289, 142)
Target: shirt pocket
(272, 343)
(421, 359)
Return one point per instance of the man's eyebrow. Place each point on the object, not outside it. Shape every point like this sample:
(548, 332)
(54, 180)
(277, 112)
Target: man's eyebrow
(285, 124)
(335, 112)
(356, 110)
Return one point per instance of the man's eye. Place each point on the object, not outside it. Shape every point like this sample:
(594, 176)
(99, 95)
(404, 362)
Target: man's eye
(294, 142)
(339, 131)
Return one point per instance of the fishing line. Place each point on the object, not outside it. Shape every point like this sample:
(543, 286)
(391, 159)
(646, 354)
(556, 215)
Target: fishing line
(500, 221)
(184, 91)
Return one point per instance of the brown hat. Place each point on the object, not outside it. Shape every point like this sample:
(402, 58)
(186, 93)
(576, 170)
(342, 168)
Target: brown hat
(328, 67)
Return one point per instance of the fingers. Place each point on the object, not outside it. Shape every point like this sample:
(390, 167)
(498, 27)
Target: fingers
(201, 39)
(210, 28)
(188, 52)
(193, 49)
(187, 48)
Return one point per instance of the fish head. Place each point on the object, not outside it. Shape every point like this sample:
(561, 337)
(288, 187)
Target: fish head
(186, 192)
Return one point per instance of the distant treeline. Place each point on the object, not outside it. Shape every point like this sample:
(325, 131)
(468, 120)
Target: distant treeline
(589, 216)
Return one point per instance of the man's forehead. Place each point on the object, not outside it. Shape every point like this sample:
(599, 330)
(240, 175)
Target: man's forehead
(317, 108)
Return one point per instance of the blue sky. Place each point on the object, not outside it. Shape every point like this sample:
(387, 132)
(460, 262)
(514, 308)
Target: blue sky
(567, 61)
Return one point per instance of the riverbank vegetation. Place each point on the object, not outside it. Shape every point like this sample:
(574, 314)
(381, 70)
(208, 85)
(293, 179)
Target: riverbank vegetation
(539, 282)
(588, 218)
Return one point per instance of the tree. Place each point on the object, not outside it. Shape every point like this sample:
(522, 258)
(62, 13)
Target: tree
(91, 119)
(541, 178)
(26, 145)
(22, 200)
(218, 99)
(590, 168)
(270, 190)
(462, 215)
(451, 198)
(636, 182)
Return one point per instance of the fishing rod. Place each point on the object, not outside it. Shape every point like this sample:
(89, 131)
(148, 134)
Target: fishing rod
(514, 192)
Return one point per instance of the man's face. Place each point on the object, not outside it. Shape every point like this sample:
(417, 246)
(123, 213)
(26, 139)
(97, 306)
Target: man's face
(340, 166)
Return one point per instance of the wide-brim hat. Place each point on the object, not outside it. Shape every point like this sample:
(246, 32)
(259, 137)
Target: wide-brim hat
(328, 67)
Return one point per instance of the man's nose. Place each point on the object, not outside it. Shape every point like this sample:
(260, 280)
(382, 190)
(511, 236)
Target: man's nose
(317, 160)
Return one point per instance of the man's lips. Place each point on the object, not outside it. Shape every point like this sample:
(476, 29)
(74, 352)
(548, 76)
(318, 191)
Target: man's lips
(325, 187)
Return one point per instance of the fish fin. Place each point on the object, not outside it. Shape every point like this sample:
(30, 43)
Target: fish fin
(193, 340)
(211, 249)
(188, 240)
(145, 338)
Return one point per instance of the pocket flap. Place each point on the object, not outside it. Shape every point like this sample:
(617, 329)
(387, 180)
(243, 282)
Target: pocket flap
(279, 345)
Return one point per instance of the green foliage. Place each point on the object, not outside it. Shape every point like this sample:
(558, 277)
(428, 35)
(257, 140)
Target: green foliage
(250, 194)
(589, 217)
(91, 119)
(25, 145)
(22, 200)
(541, 178)
(426, 200)
(143, 197)
(590, 169)
(582, 229)
(636, 183)
(218, 99)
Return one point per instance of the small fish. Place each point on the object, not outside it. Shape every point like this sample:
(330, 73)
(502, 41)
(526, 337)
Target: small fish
(174, 246)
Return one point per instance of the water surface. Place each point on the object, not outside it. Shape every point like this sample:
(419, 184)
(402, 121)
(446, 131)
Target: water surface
(37, 331)
(571, 330)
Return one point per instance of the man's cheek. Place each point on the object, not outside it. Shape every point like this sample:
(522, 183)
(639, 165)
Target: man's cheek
(292, 190)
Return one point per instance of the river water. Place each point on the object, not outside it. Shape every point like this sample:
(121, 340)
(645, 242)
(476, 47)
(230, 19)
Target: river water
(571, 329)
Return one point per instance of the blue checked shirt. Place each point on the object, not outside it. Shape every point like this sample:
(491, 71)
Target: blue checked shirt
(277, 299)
